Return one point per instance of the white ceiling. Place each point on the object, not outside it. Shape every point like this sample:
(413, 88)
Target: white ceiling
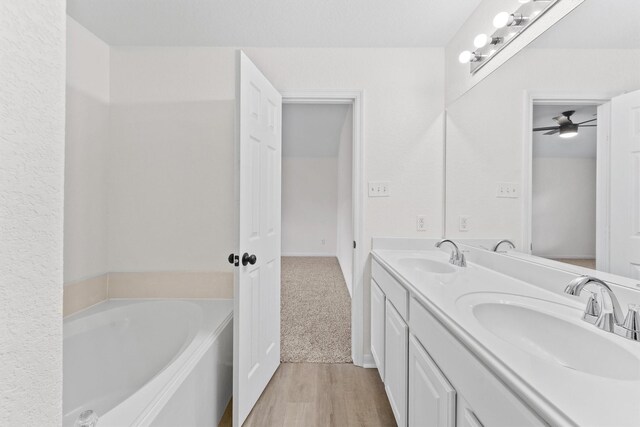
(601, 24)
(312, 130)
(274, 23)
(583, 145)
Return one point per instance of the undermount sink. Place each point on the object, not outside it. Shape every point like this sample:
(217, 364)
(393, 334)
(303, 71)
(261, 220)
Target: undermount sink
(424, 265)
(544, 335)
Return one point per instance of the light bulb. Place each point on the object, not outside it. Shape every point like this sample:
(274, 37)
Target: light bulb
(465, 57)
(501, 20)
(481, 40)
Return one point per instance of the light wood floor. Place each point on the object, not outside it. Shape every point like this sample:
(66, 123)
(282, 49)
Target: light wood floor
(313, 394)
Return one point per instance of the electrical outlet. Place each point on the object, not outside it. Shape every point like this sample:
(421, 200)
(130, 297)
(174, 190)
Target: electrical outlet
(463, 223)
(507, 190)
(379, 189)
(421, 223)
(323, 242)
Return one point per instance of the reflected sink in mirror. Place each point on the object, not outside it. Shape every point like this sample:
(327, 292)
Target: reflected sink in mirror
(423, 265)
(574, 345)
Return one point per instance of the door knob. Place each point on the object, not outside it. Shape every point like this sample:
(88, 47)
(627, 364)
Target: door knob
(248, 259)
(233, 259)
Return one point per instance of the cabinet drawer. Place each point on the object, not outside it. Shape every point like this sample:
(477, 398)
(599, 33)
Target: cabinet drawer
(394, 291)
(491, 401)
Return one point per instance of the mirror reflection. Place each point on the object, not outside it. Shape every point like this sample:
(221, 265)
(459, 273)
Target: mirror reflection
(545, 151)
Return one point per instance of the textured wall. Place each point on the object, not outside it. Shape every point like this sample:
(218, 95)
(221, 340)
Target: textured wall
(32, 76)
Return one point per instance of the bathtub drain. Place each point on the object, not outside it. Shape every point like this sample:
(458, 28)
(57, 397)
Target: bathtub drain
(87, 418)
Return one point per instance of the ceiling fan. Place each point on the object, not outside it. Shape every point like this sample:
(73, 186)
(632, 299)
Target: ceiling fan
(566, 128)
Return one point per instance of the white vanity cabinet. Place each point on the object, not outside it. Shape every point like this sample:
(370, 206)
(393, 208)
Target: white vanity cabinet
(377, 326)
(396, 352)
(431, 379)
(432, 399)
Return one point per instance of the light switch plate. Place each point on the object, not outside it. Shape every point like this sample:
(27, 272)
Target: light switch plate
(508, 190)
(379, 189)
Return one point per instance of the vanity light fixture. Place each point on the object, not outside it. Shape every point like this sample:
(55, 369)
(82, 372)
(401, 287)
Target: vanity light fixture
(505, 19)
(507, 26)
(466, 56)
(482, 40)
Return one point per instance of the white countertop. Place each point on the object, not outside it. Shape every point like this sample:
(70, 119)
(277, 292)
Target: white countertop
(558, 393)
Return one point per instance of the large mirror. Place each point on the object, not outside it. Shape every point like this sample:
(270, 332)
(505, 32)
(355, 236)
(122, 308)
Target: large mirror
(546, 150)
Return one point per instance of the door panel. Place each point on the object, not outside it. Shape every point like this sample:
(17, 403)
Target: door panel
(432, 400)
(396, 359)
(377, 327)
(625, 185)
(256, 286)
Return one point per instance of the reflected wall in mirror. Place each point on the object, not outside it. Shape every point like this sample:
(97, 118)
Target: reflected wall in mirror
(574, 194)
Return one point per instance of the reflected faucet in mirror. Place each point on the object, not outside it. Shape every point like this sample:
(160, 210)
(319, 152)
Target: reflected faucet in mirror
(507, 241)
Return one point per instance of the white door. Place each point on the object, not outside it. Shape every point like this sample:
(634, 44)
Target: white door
(625, 185)
(396, 349)
(256, 317)
(432, 400)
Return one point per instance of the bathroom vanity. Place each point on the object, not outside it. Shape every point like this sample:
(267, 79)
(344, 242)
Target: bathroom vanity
(494, 343)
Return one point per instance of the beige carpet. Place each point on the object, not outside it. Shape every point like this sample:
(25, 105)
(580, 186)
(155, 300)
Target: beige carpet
(315, 311)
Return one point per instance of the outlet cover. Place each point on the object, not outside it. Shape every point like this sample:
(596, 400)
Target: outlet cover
(379, 189)
(421, 223)
(463, 223)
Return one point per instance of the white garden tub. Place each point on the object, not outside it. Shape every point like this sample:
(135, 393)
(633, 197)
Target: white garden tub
(146, 362)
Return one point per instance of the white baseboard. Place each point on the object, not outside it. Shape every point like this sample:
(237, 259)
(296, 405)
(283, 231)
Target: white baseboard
(368, 361)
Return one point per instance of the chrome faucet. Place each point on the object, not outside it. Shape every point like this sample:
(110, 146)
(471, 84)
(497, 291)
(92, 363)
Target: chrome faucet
(603, 309)
(457, 257)
(507, 241)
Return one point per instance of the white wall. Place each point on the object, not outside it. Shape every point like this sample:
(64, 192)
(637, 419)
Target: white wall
(344, 244)
(485, 129)
(171, 197)
(564, 207)
(166, 99)
(87, 137)
(309, 206)
(32, 76)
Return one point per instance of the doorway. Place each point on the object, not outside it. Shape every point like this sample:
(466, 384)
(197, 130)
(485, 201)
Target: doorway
(563, 191)
(343, 244)
(317, 232)
(566, 178)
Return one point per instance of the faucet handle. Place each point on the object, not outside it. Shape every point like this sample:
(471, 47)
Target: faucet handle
(631, 323)
(593, 309)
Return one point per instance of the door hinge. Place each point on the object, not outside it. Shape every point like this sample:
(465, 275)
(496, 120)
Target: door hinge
(354, 244)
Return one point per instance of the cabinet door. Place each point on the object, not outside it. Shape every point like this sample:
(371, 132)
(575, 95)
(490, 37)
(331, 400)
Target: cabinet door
(396, 349)
(432, 400)
(377, 327)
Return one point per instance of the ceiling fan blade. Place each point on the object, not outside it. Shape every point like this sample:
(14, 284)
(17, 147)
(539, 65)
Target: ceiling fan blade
(588, 126)
(545, 128)
(552, 132)
(586, 121)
